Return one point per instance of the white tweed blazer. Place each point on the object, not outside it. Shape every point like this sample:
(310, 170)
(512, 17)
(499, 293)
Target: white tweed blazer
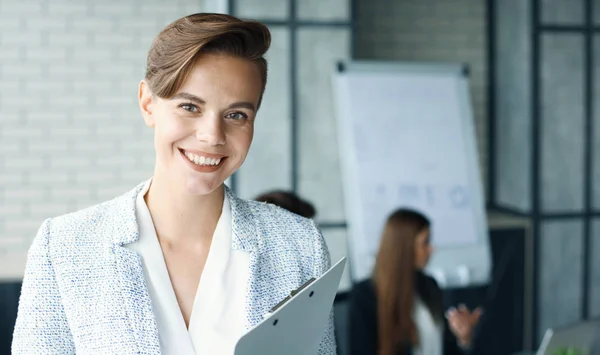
(85, 293)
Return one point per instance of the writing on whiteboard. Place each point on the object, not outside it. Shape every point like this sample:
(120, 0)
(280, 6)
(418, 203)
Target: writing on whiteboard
(432, 196)
(448, 206)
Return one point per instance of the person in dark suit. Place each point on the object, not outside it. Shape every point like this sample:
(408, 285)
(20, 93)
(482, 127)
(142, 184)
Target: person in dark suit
(399, 310)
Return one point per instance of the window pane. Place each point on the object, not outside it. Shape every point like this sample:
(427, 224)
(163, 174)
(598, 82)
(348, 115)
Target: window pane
(513, 104)
(319, 170)
(268, 165)
(594, 267)
(262, 9)
(560, 270)
(562, 122)
(336, 239)
(336, 10)
(562, 12)
(596, 11)
(596, 125)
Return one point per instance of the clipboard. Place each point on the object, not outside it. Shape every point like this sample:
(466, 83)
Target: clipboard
(295, 325)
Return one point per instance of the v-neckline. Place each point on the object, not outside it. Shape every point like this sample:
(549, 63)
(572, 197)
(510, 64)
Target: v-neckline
(185, 334)
(232, 256)
(207, 272)
(219, 245)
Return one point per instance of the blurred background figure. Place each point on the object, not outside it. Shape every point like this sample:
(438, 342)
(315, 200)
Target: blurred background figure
(400, 311)
(288, 201)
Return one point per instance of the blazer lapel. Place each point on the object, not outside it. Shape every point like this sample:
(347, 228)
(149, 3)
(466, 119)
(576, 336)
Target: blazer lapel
(120, 227)
(245, 237)
(264, 287)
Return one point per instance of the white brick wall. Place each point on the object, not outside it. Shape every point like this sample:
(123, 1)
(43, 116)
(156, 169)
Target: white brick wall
(70, 131)
(430, 30)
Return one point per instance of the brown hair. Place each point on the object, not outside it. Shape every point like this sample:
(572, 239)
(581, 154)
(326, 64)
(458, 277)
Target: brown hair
(288, 201)
(175, 49)
(396, 282)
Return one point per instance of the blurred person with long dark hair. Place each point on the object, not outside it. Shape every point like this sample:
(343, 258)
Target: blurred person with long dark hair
(400, 311)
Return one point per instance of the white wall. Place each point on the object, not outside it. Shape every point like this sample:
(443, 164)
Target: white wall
(70, 131)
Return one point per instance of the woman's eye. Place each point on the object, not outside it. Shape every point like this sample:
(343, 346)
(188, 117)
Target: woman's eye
(237, 116)
(189, 107)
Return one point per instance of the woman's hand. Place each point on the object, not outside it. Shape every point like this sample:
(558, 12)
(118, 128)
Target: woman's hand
(462, 322)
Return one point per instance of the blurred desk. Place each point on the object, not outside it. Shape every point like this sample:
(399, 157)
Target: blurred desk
(12, 267)
(501, 225)
(504, 326)
(9, 300)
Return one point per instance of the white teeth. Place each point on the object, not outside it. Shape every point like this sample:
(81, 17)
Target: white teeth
(200, 160)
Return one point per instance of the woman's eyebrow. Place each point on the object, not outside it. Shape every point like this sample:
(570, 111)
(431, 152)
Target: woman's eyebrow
(243, 104)
(188, 96)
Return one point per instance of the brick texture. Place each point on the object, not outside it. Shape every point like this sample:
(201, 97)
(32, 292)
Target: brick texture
(70, 130)
(430, 31)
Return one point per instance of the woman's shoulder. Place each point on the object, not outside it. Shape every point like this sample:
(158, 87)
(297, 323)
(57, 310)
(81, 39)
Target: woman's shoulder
(274, 218)
(287, 233)
(362, 302)
(432, 282)
(366, 285)
(363, 290)
(91, 222)
(271, 211)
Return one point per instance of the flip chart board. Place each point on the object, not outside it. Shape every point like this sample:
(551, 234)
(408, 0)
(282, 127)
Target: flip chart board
(407, 139)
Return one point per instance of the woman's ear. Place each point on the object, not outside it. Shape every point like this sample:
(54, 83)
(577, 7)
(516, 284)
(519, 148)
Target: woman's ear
(146, 101)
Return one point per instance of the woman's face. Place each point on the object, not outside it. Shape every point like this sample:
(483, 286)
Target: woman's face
(203, 133)
(423, 249)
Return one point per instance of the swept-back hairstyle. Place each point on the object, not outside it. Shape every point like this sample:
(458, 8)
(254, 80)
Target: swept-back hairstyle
(175, 49)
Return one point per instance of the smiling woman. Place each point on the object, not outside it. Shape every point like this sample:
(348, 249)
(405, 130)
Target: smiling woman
(178, 265)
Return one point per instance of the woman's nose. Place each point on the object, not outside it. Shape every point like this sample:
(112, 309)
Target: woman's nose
(211, 130)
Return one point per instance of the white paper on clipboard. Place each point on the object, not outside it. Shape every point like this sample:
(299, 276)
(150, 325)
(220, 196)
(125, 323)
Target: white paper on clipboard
(296, 328)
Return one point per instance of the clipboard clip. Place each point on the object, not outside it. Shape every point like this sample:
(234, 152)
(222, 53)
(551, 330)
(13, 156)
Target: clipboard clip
(292, 294)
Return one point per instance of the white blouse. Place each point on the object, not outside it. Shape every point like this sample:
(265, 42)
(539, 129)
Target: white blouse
(431, 336)
(218, 317)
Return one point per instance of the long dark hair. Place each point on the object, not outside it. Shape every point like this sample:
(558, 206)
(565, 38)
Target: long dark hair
(396, 281)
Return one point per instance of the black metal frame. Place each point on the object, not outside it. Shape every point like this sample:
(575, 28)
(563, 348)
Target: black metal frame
(537, 30)
(588, 156)
(536, 161)
(491, 93)
(292, 23)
